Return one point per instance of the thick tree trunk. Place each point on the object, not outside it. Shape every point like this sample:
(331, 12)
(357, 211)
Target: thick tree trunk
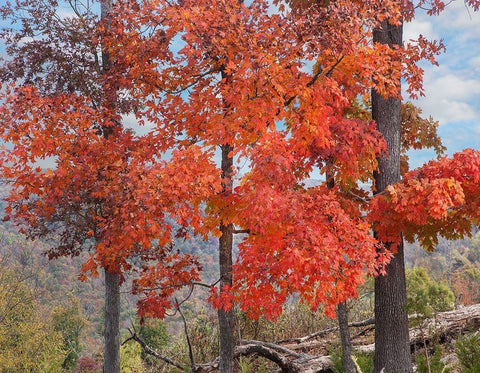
(392, 352)
(112, 323)
(226, 318)
(342, 316)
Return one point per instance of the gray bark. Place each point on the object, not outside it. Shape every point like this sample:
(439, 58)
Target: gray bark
(392, 352)
(342, 316)
(111, 355)
(226, 318)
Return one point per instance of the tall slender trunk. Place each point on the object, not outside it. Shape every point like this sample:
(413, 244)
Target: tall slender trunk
(342, 316)
(392, 350)
(226, 319)
(111, 353)
(342, 313)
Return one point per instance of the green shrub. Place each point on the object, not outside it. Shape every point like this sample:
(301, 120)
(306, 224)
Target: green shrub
(362, 359)
(435, 363)
(468, 352)
(365, 361)
(154, 333)
(336, 356)
(425, 295)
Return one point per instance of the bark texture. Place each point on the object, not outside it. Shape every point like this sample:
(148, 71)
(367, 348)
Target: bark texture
(226, 318)
(342, 316)
(111, 357)
(112, 323)
(392, 352)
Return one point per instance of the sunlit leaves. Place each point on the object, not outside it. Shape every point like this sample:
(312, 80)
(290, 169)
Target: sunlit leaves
(440, 198)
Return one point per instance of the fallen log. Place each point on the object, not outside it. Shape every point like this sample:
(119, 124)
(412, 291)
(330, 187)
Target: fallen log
(443, 327)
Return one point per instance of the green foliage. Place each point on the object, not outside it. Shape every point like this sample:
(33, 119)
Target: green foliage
(434, 361)
(474, 252)
(204, 336)
(131, 358)
(363, 360)
(336, 356)
(28, 342)
(70, 322)
(251, 366)
(425, 295)
(154, 333)
(468, 351)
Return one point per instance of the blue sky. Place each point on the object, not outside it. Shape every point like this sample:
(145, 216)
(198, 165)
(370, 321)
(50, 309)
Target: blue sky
(452, 90)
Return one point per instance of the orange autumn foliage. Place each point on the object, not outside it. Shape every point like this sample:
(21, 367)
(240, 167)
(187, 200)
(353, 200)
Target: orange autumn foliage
(232, 73)
(206, 74)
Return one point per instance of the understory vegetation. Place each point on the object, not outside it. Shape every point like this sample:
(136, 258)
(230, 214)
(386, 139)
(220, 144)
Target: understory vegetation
(50, 320)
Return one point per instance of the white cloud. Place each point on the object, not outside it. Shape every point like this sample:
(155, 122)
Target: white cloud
(63, 13)
(449, 96)
(458, 16)
(131, 122)
(475, 61)
(453, 89)
(417, 27)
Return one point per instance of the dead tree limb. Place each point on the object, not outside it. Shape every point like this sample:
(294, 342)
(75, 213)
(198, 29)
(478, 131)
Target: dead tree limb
(148, 350)
(321, 333)
(443, 326)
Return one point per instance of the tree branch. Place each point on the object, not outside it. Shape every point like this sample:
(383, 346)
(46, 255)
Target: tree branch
(148, 350)
(275, 346)
(190, 350)
(284, 363)
(370, 321)
(315, 78)
(241, 231)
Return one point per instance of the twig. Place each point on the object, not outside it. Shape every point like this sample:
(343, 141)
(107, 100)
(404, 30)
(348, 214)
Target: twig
(320, 333)
(363, 332)
(274, 346)
(241, 231)
(148, 350)
(315, 78)
(190, 350)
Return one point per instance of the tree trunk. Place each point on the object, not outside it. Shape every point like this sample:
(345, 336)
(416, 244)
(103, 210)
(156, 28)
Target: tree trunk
(342, 313)
(112, 323)
(226, 318)
(111, 354)
(342, 316)
(392, 352)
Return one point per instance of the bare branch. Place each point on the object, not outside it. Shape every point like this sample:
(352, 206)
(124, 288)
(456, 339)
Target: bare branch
(190, 350)
(241, 231)
(148, 350)
(321, 333)
(277, 347)
(262, 350)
